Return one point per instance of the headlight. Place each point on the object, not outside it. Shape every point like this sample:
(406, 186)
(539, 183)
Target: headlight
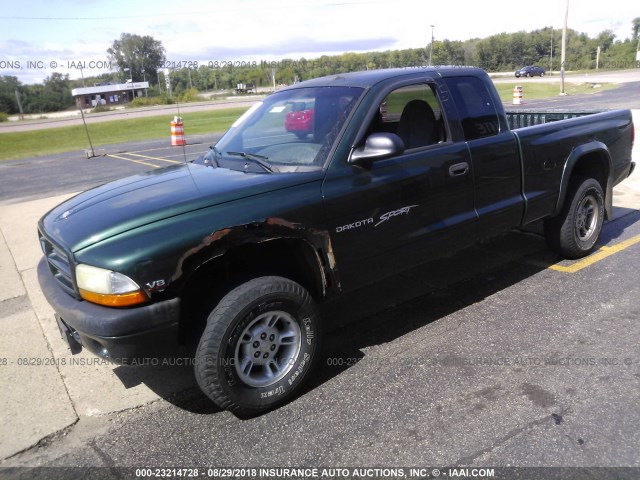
(104, 287)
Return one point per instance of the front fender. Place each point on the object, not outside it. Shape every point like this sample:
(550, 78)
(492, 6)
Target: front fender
(226, 240)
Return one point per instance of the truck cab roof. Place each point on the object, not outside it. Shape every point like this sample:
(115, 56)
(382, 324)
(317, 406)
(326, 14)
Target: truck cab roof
(370, 78)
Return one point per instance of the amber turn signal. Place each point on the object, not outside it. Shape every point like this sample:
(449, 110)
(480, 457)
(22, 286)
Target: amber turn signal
(115, 300)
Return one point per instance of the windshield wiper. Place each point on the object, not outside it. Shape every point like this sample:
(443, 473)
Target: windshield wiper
(216, 152)
(259, 159)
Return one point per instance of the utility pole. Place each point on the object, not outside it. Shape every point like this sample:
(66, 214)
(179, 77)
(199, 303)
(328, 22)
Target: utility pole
(93, 153)
(167, 80)
(133, 92)
(598, 57)
(564, 48)
(431, 46)
(551, 55)
(144, 78)
(19, 104)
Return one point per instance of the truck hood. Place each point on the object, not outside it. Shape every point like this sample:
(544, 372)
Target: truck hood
(119, 206)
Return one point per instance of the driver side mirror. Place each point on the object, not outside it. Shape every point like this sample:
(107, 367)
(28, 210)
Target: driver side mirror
(378, 146)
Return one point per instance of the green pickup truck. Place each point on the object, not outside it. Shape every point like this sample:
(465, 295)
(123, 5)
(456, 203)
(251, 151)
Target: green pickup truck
(397, 167)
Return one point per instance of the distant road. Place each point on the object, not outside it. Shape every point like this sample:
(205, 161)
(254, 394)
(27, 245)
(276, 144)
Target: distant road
(618, 76)
(627, 95)
(126, 113)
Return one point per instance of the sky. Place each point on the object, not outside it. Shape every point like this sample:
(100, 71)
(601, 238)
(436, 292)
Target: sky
(38, 38)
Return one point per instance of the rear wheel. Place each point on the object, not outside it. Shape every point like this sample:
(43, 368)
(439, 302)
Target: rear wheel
(542, 74)
(574, 232)
(259, 345)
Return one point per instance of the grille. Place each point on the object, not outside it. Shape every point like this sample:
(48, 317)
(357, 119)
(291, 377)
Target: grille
(58, 265)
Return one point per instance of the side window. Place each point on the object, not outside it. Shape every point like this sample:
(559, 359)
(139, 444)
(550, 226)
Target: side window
(475, 106)
(414, 114)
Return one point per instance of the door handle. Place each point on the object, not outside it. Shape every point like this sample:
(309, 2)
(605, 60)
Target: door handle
(458, 169)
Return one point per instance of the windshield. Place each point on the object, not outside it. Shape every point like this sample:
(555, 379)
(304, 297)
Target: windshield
(289, 131)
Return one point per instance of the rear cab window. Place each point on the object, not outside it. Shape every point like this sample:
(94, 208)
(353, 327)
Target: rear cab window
(475, 105)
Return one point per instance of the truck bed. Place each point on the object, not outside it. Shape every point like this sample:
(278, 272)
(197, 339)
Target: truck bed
(519, 118)
(547, 151)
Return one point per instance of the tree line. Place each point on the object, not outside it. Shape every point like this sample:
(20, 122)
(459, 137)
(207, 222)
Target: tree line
(141, 58)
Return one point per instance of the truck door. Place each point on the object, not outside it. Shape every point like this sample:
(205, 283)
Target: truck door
(405, 210)
(494, 153)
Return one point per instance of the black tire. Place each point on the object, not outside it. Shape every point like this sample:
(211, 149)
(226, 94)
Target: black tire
(575, 231)
(301, 135)
(272, 317)
(527, 75)
(542, 74)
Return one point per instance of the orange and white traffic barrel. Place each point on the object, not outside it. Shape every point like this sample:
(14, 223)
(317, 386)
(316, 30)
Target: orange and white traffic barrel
(518, 97)
(177, 132)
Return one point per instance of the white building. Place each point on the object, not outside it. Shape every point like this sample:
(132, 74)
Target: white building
(108, 94)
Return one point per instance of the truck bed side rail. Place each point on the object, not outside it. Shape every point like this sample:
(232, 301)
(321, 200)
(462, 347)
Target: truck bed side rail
(527, 118)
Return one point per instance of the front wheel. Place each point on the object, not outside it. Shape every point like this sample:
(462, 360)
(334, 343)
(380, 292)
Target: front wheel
(574, 232)
(259, 345)
(542, 74)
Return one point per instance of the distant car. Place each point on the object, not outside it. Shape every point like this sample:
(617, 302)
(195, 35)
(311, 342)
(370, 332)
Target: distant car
(300, 120)
(530, 71)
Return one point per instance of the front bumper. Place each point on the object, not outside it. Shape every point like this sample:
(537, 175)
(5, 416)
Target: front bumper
(120, 335)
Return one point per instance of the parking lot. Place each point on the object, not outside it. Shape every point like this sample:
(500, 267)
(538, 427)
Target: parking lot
(502, 356)
(48, 176)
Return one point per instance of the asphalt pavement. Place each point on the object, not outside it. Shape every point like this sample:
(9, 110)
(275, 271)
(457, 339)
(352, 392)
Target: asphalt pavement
(505, 356)
(52, 175)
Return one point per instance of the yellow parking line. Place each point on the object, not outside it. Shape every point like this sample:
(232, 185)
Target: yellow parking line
(167, 147)
(152, 158)
(133, 160)
(600, 254)
(182, 154)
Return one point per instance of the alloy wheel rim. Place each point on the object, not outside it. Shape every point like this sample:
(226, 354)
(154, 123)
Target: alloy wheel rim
(267, 348)
(587, 218)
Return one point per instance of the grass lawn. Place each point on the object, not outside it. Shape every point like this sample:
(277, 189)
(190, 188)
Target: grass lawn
(14, 145)
(534, 90)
